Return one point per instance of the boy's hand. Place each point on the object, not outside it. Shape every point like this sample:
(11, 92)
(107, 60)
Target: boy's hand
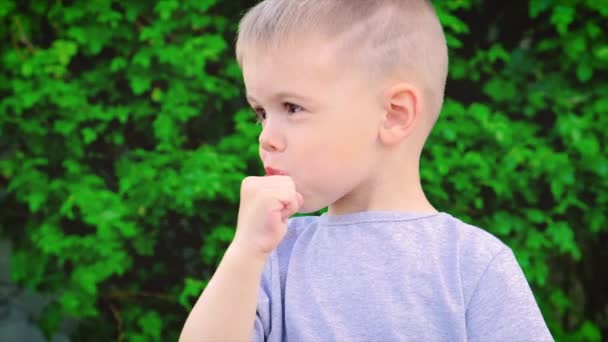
(266, 204)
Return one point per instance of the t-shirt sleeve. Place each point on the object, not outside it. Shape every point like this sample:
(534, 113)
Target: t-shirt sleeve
(502, 307)
(268, 325)
(262, 316)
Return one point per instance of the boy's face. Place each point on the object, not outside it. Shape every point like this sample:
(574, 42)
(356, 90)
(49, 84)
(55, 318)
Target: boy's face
(321, 121)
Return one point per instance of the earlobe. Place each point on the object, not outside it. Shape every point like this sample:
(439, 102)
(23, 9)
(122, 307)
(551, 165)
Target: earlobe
(400, 113)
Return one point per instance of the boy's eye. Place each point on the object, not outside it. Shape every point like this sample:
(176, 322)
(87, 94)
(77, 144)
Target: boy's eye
(260, 114)
(292, 108)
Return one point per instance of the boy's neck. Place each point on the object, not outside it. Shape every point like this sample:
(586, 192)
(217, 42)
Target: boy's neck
(389, 189)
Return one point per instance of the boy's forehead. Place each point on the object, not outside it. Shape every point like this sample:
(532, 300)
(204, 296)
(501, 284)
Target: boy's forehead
(262, 86)
(291, 67)
(310, 52)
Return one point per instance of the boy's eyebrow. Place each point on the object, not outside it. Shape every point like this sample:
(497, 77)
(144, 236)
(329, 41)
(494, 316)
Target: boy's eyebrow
(281, 94)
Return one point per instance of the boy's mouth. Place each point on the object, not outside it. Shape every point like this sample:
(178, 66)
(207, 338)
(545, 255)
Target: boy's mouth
(274, 172)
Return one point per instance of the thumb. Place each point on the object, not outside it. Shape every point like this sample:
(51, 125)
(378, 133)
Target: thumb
(300, 199)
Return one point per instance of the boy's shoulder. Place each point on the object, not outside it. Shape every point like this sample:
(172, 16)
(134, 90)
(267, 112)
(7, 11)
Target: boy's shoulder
(479, 242)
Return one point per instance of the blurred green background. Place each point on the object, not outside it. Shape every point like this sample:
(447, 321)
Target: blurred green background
(124, 136)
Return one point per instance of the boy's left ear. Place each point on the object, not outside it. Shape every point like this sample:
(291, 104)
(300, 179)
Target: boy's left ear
(401, 113)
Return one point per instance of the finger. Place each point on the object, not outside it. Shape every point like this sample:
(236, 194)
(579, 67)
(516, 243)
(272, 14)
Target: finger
(291, 207)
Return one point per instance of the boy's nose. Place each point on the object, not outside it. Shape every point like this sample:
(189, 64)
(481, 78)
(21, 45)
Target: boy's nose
(271, 140)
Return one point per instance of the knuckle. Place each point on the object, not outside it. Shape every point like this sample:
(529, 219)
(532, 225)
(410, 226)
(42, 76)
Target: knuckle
(248, 184)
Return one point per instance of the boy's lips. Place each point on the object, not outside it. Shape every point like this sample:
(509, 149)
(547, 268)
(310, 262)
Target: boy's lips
(274, 172)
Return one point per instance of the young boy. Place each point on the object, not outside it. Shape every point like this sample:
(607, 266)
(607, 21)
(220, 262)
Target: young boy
(347, 91)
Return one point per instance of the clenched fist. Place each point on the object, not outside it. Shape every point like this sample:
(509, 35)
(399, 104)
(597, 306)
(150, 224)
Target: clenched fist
(266, 204)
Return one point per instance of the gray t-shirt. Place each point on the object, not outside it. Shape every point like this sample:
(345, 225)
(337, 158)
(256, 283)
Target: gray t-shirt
(389, 276)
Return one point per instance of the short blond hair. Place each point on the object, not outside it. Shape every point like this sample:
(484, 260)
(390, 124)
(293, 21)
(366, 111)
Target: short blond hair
(391, 38)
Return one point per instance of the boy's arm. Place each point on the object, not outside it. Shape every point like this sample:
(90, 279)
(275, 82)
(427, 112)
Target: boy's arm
(226, 310)
(503, 308)
(227, 307)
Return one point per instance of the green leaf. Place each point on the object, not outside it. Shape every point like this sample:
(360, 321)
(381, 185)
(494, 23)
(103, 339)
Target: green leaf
(165, 8)
(589, 332)
(6, 7)
(584, 72)
(562, 16)
(65, 50)
(151, 324)
(192, 288)
(117, 64)
(536, 7)
(562, 235)
(140, 84)
(165, 129)
(157, 95)
(451, 22)
(500, 89)
(601, 53)
(535, 215)
(89, 135)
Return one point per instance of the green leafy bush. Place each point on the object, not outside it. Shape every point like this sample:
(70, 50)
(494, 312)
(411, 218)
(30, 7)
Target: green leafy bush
(124, 138)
